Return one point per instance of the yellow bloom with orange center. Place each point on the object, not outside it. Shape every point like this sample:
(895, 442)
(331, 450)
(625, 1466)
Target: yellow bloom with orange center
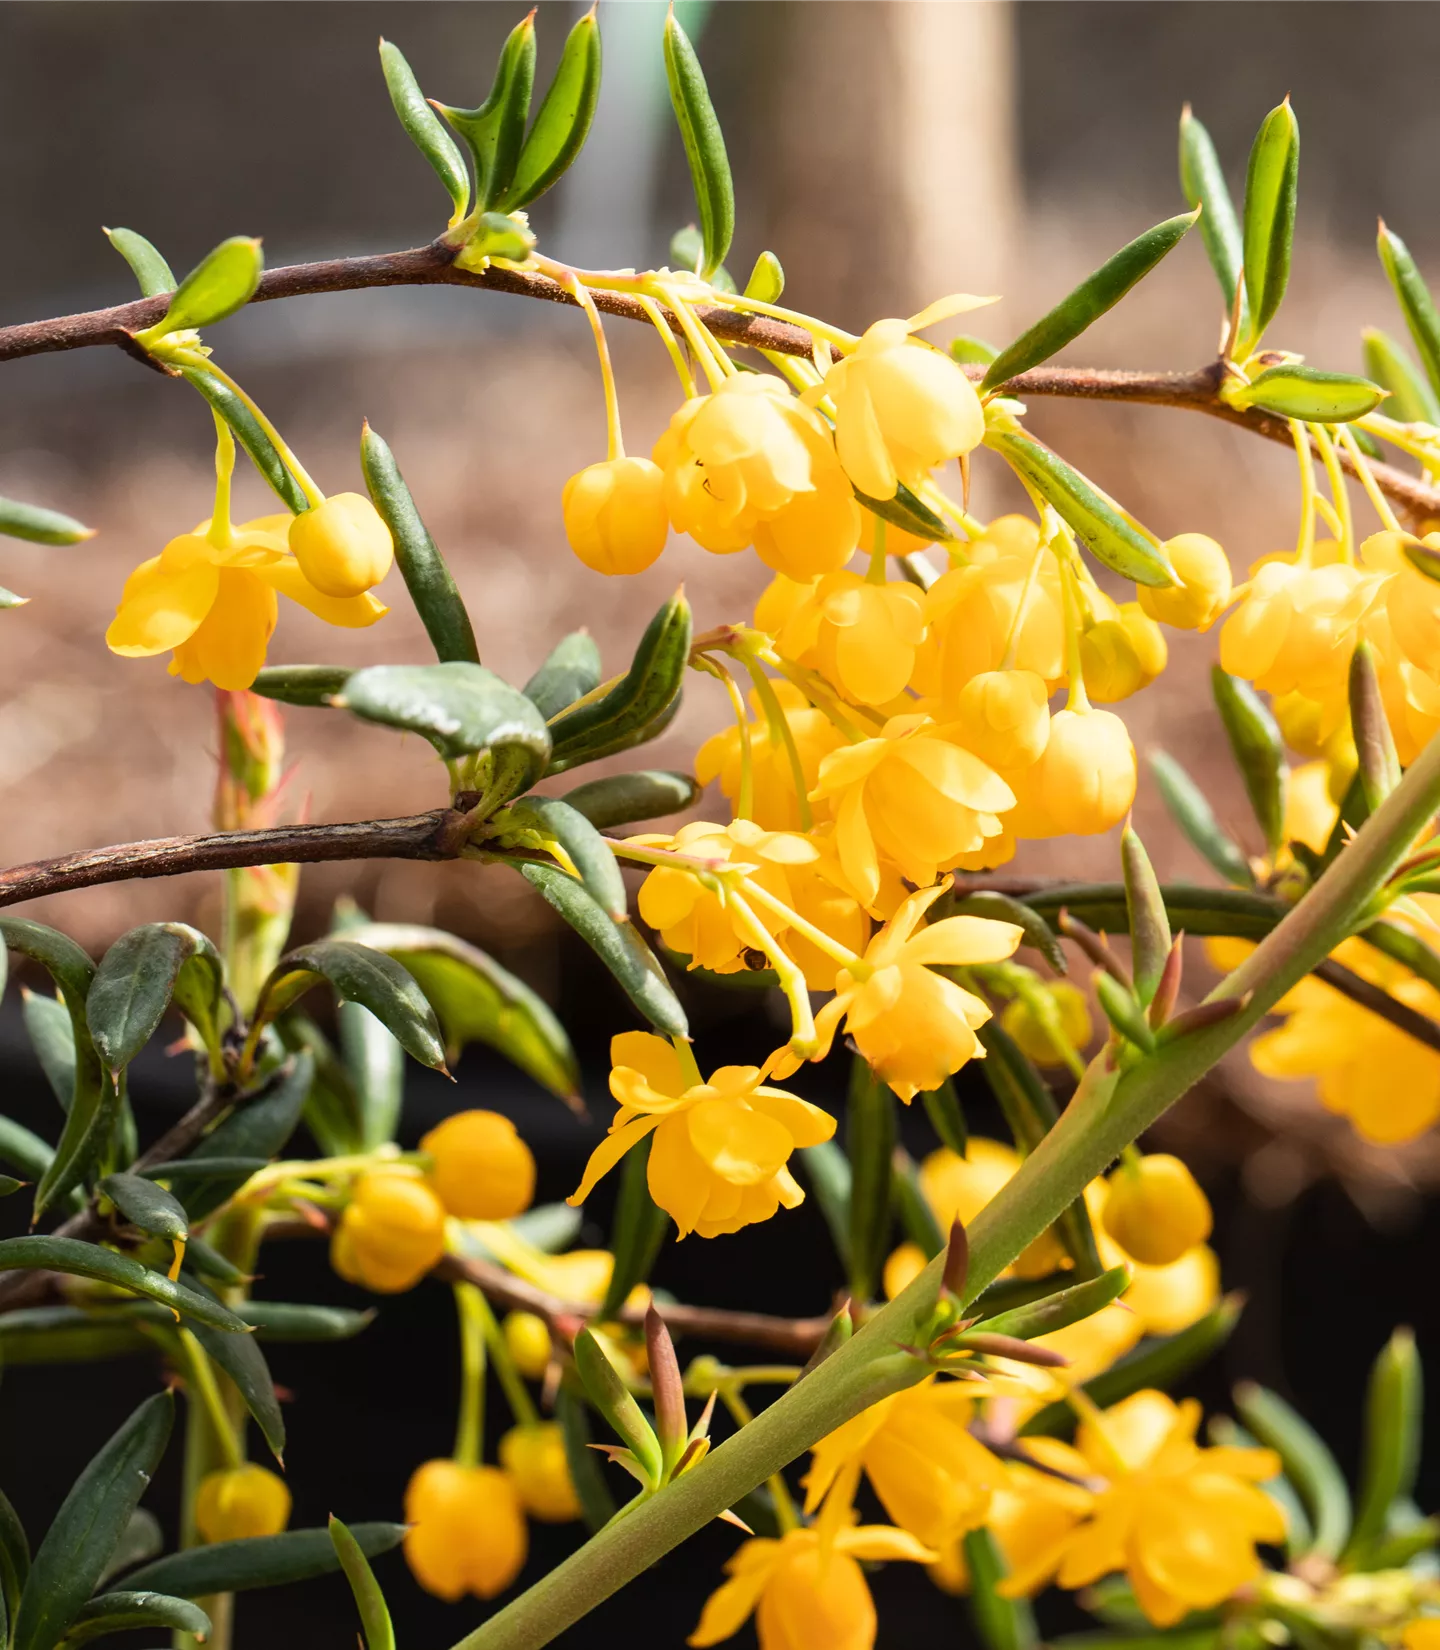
(901, 408)
(615, 515)
(803, 1592)
(215, 606)
(1181, 1521)
(775, 799)
(861, 637)
(719, 1149)
(467, 1530)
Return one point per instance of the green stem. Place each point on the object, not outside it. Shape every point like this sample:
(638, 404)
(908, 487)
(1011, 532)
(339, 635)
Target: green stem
(470, 1427)
(1106, 1114)
(517, 1394)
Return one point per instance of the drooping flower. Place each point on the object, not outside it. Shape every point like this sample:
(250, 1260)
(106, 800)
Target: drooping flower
(958, 1188)
(1083, 783)
(1155, 1210)
(392, 1231)
(1033, 1034)
(775, 804)
(534, 1457)
(342, 545)
(480, 1167)
(237, 1502)
(861, 637)
(615, 515)
(1004, 717)
(720, 1148)
(467, 1530)
(1121, 653)
(1202, 585)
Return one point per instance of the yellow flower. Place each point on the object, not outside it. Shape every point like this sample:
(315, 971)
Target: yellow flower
(862, 637)
(914, 1026)
(751, 465)
(1202, 584)
(821, 895)
(1033, 1035)
(901, 408)
(467, 1530)
(802, 1596)
(1004, 717)
(215, 606)
(932, 1475)
(1296, 628)
(1166, 1299)
(1083, 783)
(912, 795)
(775, 802)
(1155, 1211)
(958, 1188)
(527, 1339)
(534, 1457)
(1181, 1521)
(719, 1151)
(1122, 651)
(481, 1168)
(615, 515)
(343, 547)
(1033, 1510)
(1421, 1634)
(391, 1232)
(237, 1502)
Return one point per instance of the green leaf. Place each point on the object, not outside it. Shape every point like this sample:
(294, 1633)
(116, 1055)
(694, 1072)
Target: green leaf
(136, 980)
(259, 1561)
(571, 671)
(581, 843)
(1393, 1437)
(637, 1232)
(917, 1218)
(67, 1334)
(1203, 183)
(560, 129)
(478, 1001)
(1150, 939)
(870, 1131)
(311, 685)
(426, 573)
(615, 1402)
(942, 1107)
(1416, 304)
(1305, 392)
(767, 280)
(146, 1205)
(1088, 302)
(423, 127)
(89, 1260)
(1412, 400)
(9, 1185)
(460, 708)
(995, 907)
(1123, 1012)
(243, 1361)
(828, 1170)
(143, 1540)
(597, 1505)
(202, 1261)
(47, 1024)
(369, 1600)
(618, 945)
(1190, 809)
(704, 146)
(40, 526)
(223, 281)
(625, 798)
(1111, 536)
(91, 1520)
(303, 1322)
(259, 1127)
(247, 431)
(376, 1064)
(123, 1612)
(971, 352)
(1307, 1463)
(359, 974)
(687, 252)
(14, 1555)
(186, 1169)
(906, 512)
(1196, 909)
(495, 131)
(1001, 1623)
(146, 264)
(1271, 185)
(23, 1150)
(1060, 1310)
(1259, 752)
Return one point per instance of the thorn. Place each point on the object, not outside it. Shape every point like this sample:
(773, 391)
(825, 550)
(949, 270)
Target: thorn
(728, 1517)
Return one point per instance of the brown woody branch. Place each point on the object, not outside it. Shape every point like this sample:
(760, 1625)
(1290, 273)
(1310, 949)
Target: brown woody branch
(434, 265)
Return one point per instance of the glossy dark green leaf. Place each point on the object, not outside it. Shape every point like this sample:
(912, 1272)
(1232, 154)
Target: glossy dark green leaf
(581, 843)
(310, 685)
(1088, 302)
(223, 281)
(68, 1335)
(597, 1505)
(1259, 752)
(369, 1600)
(1307, 393)
(243, 1361)
(89, 1525)
(1271, 185)
(146, 264)
(52, 1036)
(259, 1127)
(1412, 400)
(459, 707)
(14, 1556)
(146, 1205)
(704, 145)
(1195, 908)
(1416, 304)
(1150, 938)
(1307, 1463)
(1393, 1438)
(495, 132)
(124, 1612)
(1202, 181)
(1001, 1623)
(626, 798)
(917, 1218)
(947, 1118)
(300, 1321)
(563, 123)
(478, 1001)
(40, 526)
(185, 1169)
(1060, 1310)
(136, 981)
(571, 671)
(89, 1260)
(423, 126)
(201, 1261)
(996, 907)
(870, 1131)
(358, 974)
(1190, 809)
(143, 1539)
(426, 573)
(618, 945)
(1111, 536)
(767, 280)
(258, 1561)
(26, 1151)
(247, 431)
(637, 1231)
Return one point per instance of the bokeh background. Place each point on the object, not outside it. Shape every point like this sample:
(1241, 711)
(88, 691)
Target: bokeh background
(888, 153)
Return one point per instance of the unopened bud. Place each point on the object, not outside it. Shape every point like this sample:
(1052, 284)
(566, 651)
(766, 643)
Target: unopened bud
(666, 1386)
(1149, 924)
(1378, 765)
(1167, 993)
(1122, 1011)
(957, 1261)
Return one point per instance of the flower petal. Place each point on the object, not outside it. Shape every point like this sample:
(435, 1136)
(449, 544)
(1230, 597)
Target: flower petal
(348, 612)
(608, 1153)
(159, 609)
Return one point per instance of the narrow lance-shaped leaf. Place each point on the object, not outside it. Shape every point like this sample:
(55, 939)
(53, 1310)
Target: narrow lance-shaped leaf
(427, 576)
(1416, 304)
(1377, 766)
(571, 671)
(142, 1540)
(136, 980)
(1002, 1623)
(581, 844)
(1060, 1310)
(148, 1206)
(1203, 182)
(52, 1036)
(1412, 400)
(374, 1061)
(223, 281)
(638, 1230)
(870, 1129)
(89, 1260)
(243, 1361)
(1307, 1462)
(423, 127)
(310, 685)
(563, 123)
(147, 265)
(1271, 185)
(495, 131)
(124, 1612)
(1259, 752)
(14, 1554)
(369, 1600)
(704, 145)
(626, 798)
(609, 1394)
(258, 1561)
(597, 1505)
(40, 526)
(1297, 391)
(947, 1117)
(1089, 301)
(1149, 926)
(1036, 933)
(1190, 809)
(247, 431)
(1391, 1459)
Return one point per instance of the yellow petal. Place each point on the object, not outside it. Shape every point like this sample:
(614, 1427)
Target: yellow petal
(348, 612)
(958, 941)
(159, 609)
(730, 1606)
(956, 303)
(653, 1057)
(737, 1143)
(608, 1153)
(228, 649)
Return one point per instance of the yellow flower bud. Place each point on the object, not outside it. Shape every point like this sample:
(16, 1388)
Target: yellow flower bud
(902, 1267)
(1110, 662)
(237, 1502)
(1073, 1010)
(527, 1339)
(1155, 1211)
(343, 547)
(534, 1456)
(1085, 781)
(1004, 717)
(481, 1168)
(467, 1530)
(1202, 584)
(1148, 640)
(958, 1188)
(1167, 1299)
(391, 1233)
(615, 515)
